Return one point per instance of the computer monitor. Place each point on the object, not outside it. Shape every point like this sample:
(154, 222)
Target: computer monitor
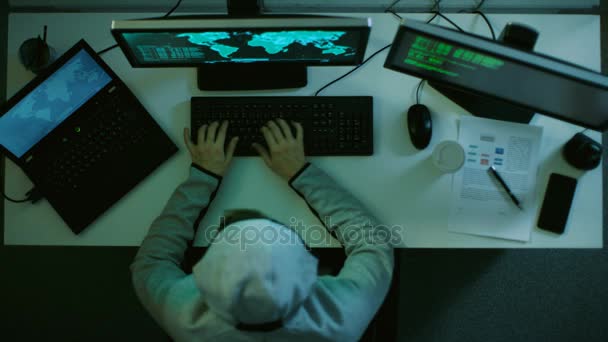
(231, 53)
(472, 64)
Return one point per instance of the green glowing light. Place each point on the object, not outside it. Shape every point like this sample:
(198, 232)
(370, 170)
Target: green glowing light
(463, 65)
(437, 56)
(423, 57)
(430, 46)
(429, 67)
(444, 49)
(492, 63)
(478, 59)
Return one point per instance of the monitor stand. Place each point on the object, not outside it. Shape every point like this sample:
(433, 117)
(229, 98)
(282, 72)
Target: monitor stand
(514, 35)
(250, 76)
(486, 107)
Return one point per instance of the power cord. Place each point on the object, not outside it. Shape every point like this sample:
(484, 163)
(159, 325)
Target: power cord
(389, 9)
(483, 16)
(477, 10)
(353, 69)
(31, 196)
(435, 9)
(478, 7)
(175, 7)
(393, 13)
(107, 49)
(166, 15)
(448, 20)
(418, 89)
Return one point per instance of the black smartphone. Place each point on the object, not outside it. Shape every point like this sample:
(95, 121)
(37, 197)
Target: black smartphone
(556, 204)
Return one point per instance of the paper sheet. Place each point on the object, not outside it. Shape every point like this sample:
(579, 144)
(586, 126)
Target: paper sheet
(479, 204)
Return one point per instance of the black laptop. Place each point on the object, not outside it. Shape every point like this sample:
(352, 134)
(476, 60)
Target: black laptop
(81, 136)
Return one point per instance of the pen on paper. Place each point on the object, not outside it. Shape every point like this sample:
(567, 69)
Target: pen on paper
(493, 172)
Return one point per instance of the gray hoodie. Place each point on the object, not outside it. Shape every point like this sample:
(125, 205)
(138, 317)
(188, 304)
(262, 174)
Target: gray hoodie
(199, 307)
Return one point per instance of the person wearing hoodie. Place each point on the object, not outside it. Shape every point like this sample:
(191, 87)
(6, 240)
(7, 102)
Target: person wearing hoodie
(249, 287)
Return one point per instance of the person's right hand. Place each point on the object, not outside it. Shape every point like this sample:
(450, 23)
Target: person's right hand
(286, 155)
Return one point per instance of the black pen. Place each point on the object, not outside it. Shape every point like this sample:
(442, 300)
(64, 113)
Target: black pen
(492, 170)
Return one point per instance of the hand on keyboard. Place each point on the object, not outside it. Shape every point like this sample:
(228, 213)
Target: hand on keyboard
(285, 154)
(208, 152)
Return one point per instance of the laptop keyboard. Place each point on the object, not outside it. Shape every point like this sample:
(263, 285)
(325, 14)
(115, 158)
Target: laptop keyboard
(108, 131)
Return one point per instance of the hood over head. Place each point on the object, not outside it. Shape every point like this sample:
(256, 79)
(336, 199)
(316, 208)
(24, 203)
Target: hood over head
(256, 271)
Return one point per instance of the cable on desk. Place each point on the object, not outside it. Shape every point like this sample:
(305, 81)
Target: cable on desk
(487, 22)
(449, 21)
(393, 13)
(174, 8)
(478, 7)
(31, 196)
(166, 15)
(14, 200)
(390, 9)
(435, 10)
(352, 70)
(107, 49)
(418, 89)
(436, 7)
(477, 10)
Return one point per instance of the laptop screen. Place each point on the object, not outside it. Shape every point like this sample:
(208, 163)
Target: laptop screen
(49, 104)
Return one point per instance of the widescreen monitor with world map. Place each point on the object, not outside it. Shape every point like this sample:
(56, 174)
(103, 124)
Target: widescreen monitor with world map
(192, 42)
(262, 52)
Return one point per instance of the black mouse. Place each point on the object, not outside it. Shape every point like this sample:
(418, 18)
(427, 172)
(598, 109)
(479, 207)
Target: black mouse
(419, 125)
(582, 152)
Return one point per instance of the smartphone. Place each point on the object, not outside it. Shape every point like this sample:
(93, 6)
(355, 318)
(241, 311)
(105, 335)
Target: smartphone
(556, 204)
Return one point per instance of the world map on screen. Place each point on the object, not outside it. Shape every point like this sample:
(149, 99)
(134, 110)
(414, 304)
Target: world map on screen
(316, 46)
(51, 102)
(272, 42)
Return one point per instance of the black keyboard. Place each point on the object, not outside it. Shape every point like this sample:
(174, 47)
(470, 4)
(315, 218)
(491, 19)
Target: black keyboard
(109, 129)
(333, 125)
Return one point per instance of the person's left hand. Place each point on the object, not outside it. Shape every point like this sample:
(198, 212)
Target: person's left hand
(208, 152)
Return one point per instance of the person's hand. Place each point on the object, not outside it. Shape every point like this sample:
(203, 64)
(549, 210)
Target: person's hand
(208, 152)
(286, 155)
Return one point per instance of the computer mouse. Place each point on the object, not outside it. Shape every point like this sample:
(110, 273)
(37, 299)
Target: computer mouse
(419, 125)
(582, 152)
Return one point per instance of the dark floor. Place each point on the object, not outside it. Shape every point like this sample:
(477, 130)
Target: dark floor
(84, 294)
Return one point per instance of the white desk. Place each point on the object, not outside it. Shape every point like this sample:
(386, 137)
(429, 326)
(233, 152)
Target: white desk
(396, 183)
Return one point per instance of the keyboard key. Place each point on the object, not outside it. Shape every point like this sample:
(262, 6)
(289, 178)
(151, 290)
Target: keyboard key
(332, 125)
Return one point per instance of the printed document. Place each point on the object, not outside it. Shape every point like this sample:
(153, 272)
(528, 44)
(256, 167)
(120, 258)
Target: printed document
(479, 204)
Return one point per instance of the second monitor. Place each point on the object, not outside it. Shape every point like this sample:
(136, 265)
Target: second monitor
(263, 52)
(488, 69)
